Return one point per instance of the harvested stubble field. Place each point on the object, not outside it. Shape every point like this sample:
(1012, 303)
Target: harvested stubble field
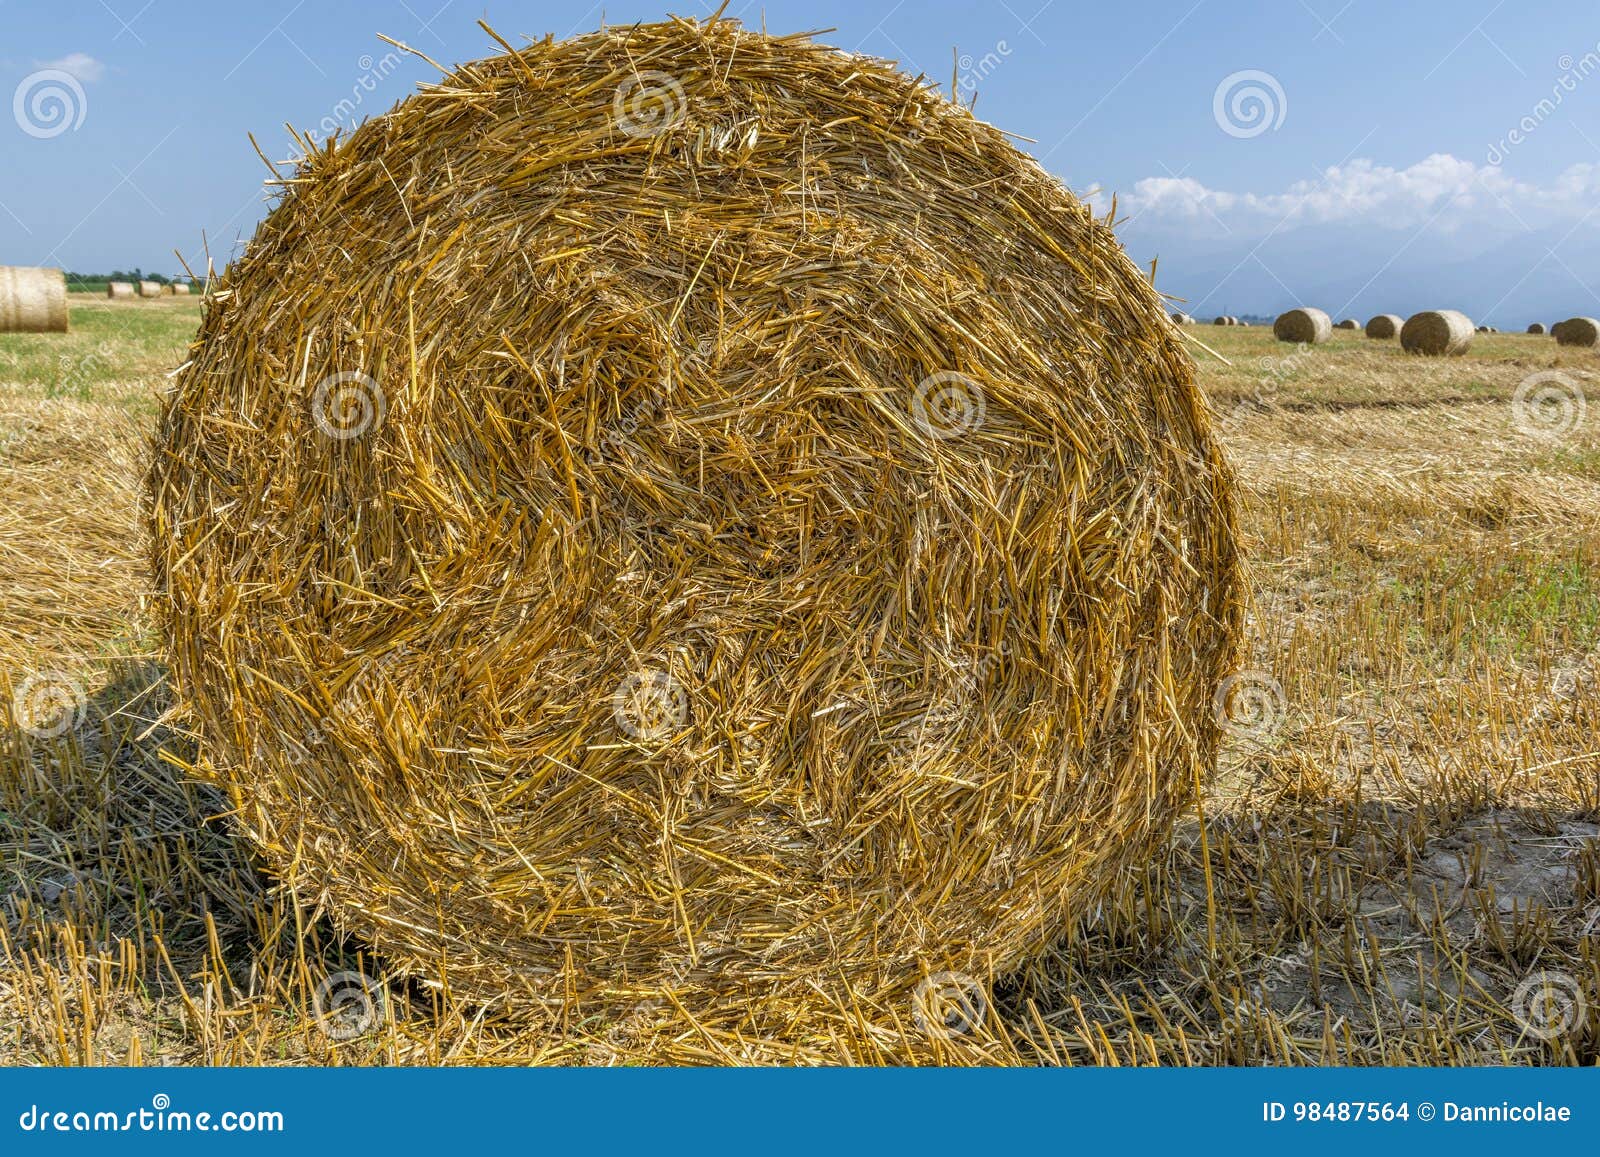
(1402, 832)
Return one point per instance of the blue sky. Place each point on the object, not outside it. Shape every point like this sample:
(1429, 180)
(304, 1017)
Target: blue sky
(1368, 162)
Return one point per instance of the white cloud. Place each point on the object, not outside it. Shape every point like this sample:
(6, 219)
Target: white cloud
(1442, 189)
(78, 64)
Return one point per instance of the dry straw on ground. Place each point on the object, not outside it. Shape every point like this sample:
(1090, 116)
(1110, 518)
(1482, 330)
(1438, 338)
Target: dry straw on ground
(1385, 326)
(1303, 326)
(149, 289)
(747, 542)
(119, 289)
(1437, 332)
(32, 300)
(1579, 331)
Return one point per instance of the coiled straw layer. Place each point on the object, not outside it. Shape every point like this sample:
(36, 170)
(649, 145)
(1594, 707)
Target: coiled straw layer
(746, 544)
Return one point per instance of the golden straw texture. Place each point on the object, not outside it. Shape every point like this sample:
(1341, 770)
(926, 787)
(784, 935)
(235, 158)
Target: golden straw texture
(32, 300)
(149, 289)
(745, 543)
(119, 289)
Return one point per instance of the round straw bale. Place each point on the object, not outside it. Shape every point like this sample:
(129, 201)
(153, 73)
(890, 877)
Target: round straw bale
(1221, 321)
(1182, 319)
(149, 289)
(1307, 326)
(669, 616)
(1579, 331)
(32, 300)
(119, 289)
(177, 289)
(1348, 323)
(1384, 326)
(1437, 332)
(1537, 327)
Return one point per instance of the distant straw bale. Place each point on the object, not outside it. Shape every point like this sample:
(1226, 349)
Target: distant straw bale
(1385, 326)
(1579, 331)
(1437, 333)
(32, 300)
(1303, 326)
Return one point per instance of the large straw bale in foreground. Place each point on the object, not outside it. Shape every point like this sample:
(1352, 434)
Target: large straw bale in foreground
(690, 545)
(1579, 331)
(32, 300)
(1384, 326)
(1437, 332)
(1307, 326)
